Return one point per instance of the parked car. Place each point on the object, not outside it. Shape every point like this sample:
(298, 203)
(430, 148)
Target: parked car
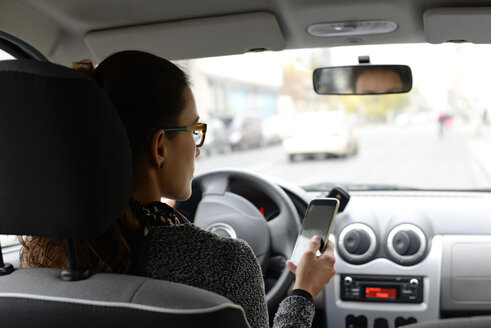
(276, 128)
(245, 131)
(216, 138)
(320, 134)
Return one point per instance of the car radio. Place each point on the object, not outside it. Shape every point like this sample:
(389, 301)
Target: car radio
(375, 288)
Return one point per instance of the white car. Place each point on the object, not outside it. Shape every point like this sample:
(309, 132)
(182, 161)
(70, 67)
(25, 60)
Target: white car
(320, 134)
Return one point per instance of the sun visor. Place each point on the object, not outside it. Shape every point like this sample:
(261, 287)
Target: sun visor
(203, 37)
(458, 25)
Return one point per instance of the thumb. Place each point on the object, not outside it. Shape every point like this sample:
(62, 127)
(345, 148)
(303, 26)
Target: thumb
(290, 265)
(314, 244)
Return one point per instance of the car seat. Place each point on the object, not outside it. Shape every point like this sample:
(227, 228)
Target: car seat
(65, 172)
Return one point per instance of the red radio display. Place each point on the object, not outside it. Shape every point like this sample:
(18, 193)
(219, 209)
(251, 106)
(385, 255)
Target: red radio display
(380, 292)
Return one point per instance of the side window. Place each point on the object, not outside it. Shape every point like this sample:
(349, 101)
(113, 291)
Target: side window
(5, 56)
(8, 240)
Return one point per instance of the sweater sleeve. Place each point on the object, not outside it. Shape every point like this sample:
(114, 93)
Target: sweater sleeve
(294, 311)
(245, 286)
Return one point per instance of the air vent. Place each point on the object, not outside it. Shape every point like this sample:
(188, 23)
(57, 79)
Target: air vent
(357, 243)
(406, 244)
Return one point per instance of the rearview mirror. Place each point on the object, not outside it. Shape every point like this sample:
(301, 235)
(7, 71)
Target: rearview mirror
(363, 80)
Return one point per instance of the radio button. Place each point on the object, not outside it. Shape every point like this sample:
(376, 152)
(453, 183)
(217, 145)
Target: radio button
(354, 292)
(414, 283)
(348, 281)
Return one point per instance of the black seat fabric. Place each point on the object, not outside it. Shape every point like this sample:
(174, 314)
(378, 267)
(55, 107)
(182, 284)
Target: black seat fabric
(65, 171)
(65, 167)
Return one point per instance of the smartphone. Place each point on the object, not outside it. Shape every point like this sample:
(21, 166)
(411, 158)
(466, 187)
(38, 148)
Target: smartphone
(318, 221)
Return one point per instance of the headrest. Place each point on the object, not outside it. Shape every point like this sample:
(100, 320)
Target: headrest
(65, 162)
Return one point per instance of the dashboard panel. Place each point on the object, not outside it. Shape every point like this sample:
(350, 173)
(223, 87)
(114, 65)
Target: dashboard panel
(409, 256)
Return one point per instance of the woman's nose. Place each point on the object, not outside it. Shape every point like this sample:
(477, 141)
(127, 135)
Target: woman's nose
(197, 152)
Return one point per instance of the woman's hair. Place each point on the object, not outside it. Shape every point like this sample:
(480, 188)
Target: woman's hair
(110, 252)
(149, 94)
(147, 91)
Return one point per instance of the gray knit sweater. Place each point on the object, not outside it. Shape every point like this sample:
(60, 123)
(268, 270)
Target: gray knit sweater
(187, 254)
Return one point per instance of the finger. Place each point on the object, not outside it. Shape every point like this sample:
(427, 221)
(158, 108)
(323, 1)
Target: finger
(329, 251)
(314, 244)
(329, 257)
(293, 268)
(329, 247)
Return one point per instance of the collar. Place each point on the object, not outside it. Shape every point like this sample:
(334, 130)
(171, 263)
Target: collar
(156, 213)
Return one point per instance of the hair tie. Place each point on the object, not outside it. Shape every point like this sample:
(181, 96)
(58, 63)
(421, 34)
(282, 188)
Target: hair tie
(85, 66)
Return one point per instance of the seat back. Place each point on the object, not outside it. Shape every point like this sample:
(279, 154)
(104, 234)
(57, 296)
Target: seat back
(37, 298)
(65, 172)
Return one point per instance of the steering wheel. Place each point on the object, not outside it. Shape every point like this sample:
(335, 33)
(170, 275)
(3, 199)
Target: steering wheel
(226, 213)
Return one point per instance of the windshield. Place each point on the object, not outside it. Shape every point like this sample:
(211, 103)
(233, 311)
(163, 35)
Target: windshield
(437, 136)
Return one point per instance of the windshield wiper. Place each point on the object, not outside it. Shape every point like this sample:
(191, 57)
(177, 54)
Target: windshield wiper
(327, 186)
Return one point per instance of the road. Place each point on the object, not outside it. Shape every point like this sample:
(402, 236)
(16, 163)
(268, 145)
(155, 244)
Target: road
(415, 156)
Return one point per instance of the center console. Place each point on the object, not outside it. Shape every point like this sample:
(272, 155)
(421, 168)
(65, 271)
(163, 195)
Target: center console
(399, 296)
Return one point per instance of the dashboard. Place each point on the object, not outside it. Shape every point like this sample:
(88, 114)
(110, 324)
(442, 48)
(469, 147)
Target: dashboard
(401, 256)
(409, 256)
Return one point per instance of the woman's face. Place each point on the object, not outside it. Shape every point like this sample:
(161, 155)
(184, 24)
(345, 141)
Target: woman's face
(378, 81)
(181, 151)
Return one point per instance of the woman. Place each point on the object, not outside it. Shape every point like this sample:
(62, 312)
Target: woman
(158, 110)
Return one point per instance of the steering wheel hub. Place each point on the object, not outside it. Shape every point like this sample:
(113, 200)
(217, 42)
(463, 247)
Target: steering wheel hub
(222, 229)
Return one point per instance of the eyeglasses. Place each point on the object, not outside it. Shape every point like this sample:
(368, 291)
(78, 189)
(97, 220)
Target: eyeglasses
(199, 132)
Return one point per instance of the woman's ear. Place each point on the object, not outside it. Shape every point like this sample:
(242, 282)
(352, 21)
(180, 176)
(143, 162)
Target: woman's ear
(157, 149)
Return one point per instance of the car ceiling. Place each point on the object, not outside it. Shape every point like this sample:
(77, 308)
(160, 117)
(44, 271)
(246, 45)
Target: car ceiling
(65, 30)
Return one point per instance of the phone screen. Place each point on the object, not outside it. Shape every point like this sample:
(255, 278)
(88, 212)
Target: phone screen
(318, 221)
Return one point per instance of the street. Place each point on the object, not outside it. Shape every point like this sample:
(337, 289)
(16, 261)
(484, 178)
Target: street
(413, 156)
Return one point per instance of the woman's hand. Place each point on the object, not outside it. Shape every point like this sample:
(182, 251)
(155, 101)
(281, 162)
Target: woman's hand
(314, 272)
